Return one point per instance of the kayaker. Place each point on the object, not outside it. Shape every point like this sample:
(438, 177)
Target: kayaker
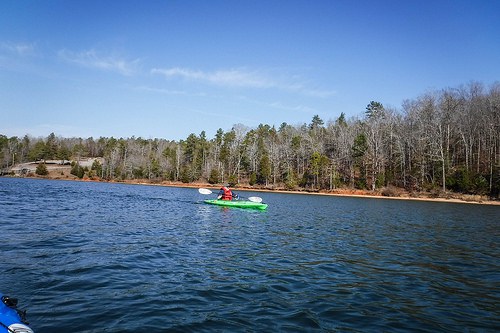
(226, 194)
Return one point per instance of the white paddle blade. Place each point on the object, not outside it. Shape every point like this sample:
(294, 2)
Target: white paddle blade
(255, 199)
(204, 191)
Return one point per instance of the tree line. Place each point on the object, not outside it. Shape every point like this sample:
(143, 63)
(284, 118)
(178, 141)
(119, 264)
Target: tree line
(446, 140)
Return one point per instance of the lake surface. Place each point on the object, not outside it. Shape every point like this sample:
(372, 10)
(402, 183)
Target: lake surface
(100, 257)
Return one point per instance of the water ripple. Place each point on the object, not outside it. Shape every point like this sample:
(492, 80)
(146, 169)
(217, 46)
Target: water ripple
(93, 257)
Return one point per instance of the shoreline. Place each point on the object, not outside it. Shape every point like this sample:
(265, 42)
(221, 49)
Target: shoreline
(337, 192)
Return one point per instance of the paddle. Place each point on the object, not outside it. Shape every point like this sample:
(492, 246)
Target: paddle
(204, 191)
(207, 191)
(255, 199)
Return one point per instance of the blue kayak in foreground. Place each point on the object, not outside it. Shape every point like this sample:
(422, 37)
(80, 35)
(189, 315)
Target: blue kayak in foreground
(237, 203)
(12, 320)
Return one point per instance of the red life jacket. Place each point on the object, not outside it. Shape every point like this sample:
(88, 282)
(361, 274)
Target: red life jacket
(228, 195)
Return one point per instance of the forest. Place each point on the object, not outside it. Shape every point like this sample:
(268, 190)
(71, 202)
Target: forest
(443, 140)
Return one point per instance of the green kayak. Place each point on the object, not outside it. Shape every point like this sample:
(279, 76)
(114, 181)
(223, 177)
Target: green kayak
(237, 203)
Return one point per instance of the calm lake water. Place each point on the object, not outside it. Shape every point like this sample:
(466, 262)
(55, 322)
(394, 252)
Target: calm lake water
(99, 257)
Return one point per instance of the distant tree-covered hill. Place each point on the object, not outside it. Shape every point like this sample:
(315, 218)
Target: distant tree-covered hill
(447, 140)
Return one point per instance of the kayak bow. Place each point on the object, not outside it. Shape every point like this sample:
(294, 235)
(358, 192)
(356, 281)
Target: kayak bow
(12, 320)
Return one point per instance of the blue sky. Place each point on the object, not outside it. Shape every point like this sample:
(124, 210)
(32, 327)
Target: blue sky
(165, 69)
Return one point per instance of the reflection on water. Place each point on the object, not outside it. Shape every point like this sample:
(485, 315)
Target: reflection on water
(93, 257)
